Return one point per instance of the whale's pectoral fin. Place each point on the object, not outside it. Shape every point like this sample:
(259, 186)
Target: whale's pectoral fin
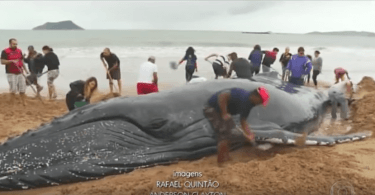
(286, 137)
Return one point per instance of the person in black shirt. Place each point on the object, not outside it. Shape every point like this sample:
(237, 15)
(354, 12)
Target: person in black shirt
(113, 68)
(52, 61)
(35, 68)
(76, 94)
(241, 66)
(225, 103)
(284, 59)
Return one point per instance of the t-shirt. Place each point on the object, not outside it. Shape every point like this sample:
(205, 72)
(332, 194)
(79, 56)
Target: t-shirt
(146, 72)
(191, 61)
(269, 58)
(256, 58)
(339, 72)
(284, 59)
(51, 60)
(4, 56)
(223, 61)
(239, 102)
(111, 60)
(242, 67)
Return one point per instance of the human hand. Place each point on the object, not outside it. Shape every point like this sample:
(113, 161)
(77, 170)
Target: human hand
(226, 117)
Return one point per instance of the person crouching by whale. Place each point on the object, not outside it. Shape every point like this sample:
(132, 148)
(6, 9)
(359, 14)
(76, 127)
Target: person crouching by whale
(340, 74)
(81, 92)
(148, 77)
(241, 66)
(220, 65)
(85, 92)
(339, 93)
(222, 105)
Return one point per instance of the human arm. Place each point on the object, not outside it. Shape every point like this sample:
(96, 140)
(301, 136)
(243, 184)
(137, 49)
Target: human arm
(320, 63)
(155, 75)
(183, 59)
(281, 58)
(212, 55)
(196, 67)
(155, 81)
(223, 99)
(246, 129)
(347, 74)
(289, 66)
(102, 59)
(308, 66)
(231, 67)
(4, 58)
(114, 67)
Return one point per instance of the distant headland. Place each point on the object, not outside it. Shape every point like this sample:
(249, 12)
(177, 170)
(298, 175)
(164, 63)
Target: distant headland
(63, 25)
(269, 32)
(345, 33)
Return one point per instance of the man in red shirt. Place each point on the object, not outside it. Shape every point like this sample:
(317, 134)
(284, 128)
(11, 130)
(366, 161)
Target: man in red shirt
(12, 58)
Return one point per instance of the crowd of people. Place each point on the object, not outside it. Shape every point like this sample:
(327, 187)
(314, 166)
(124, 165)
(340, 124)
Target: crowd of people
(296, 69)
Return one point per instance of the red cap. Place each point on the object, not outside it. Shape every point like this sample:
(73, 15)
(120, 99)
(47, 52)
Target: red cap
(264, 95)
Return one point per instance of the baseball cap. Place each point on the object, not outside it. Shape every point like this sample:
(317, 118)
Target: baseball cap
(30, 47)
(264, 95)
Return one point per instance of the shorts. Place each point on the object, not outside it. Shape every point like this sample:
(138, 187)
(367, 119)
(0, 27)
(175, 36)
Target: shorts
(219, 125)
(17, 82)
(32, 79)
(52, 75)
(115, 74)
(146, 88)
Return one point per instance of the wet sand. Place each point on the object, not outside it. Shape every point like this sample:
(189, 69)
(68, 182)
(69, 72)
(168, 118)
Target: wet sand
(281, 170)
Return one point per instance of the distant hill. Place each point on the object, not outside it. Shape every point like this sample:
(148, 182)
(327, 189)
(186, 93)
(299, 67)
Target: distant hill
(63, 25)
(345, 33)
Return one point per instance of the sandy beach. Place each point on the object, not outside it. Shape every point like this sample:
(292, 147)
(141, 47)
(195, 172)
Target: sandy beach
(281, 170)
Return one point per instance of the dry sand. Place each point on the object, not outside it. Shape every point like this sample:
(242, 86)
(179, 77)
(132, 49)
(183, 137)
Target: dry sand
(281, 170)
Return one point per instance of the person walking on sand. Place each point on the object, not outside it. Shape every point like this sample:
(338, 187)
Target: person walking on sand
(269, 59)
(340, 74)
(222, 105)
(191, 63)
(12, 58)
(52, 61)
(255, 58)
(340, 93)
(317, 64)
(35, 67)
(148, 77)
(241, 66)
(299, 66)
(284, 59)
(114, 71)
(220, 65)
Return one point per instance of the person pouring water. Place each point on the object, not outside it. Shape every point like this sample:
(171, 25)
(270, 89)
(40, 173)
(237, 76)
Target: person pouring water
(191, 63)
(220, 65)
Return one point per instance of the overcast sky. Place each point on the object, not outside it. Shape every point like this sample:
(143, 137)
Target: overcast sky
(276, 16)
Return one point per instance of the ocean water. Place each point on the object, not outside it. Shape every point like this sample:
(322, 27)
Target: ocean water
(79, 52)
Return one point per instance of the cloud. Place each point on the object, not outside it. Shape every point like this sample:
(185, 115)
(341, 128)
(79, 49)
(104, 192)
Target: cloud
(251, 7)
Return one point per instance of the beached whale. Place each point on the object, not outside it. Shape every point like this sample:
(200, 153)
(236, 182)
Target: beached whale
(125, 133)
